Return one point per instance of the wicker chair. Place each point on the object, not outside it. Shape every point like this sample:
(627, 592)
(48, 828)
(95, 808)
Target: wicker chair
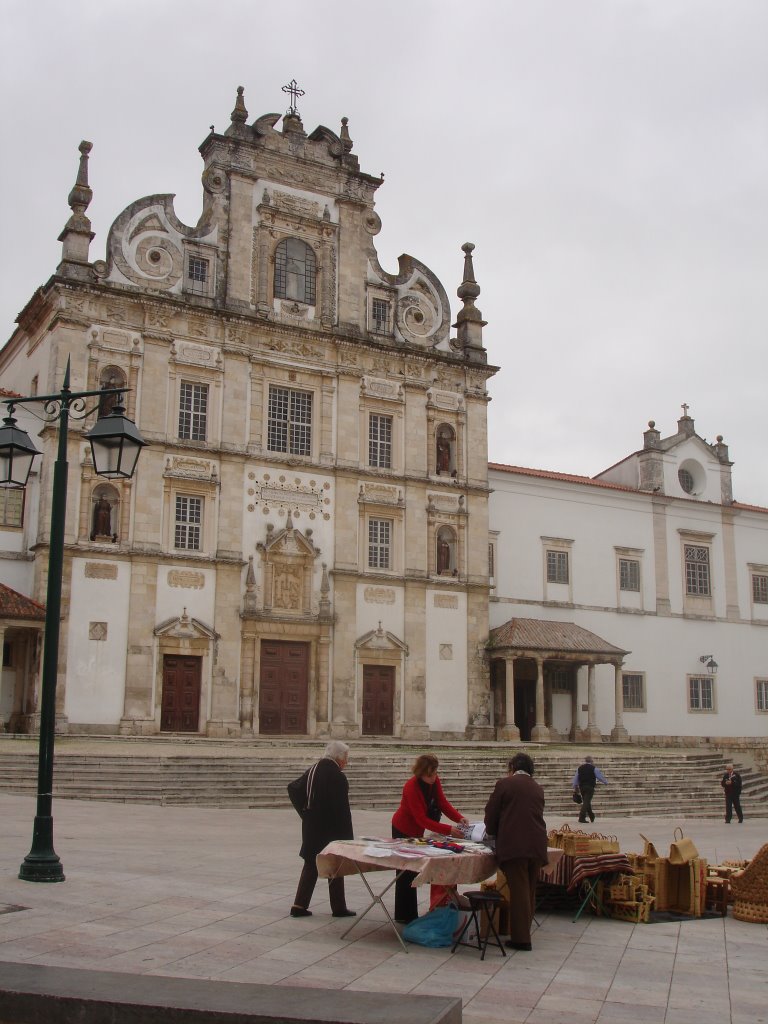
(750, 890)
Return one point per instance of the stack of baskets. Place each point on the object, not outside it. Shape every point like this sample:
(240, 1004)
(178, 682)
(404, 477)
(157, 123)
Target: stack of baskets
(678, 882)
(628, 898)
(575, 843)
(750, 890)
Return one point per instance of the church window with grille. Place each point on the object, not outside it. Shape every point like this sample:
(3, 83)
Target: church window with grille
(379, 544)
(189, 522)
(380, 441)
(295, 271)
(557, 566)
(761, 694)
(193, 411)
(697, 582)
(290, 421)
(701, 693)
(380, 316)
(629, 574)
(633, 691)
(11, 506)
(760, 588)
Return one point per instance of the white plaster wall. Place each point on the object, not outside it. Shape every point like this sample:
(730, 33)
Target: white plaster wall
(666, 649)
(378, 608)
(694, 450)
(446, 679)
(96, 668)
(200, 603)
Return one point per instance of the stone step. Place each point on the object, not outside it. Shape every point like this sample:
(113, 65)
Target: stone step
(640, 783)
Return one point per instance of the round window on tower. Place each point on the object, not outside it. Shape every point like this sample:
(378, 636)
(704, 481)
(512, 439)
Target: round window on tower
(691, 477)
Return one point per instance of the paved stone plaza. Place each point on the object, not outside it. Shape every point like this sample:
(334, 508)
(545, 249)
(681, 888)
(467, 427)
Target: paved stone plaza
(202, 893)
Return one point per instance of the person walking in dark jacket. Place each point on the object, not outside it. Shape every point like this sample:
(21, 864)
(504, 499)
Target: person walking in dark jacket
(327, 817)
(585, 780)
(731, 783)
(515, 815)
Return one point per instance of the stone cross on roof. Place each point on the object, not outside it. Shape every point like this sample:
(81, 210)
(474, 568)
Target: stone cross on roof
(295, 92)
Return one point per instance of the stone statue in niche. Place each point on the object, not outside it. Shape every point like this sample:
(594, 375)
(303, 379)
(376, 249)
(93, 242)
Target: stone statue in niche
(102, 519)
(443, 454)
(443, 555)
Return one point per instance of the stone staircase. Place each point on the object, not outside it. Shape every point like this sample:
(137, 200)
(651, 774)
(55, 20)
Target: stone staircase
(651, 782)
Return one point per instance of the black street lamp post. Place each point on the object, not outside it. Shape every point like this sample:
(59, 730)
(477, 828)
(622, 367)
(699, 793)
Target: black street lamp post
(115, 444)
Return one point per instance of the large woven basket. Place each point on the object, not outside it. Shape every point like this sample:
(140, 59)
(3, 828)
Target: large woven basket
(750, 890)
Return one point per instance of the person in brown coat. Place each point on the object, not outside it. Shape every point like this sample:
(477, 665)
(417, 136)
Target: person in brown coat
(514, 814)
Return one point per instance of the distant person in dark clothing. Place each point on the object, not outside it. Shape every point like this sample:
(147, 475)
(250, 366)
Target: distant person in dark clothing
(731, 783)
(327, 817)
(585, 780)
(515, 815)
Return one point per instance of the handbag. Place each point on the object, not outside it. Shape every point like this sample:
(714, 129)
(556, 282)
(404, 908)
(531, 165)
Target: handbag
(682, 850)
(576, 797)
(433, 929)
(300, 791)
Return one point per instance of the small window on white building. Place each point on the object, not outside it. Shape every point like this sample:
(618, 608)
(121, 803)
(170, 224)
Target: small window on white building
(629, 574)
(379, 543)
(761, 694)
(697, 582)
(686, 480)
(633, 691)
(557, 566)
(701, 693)
(759, 588)
(188, 523)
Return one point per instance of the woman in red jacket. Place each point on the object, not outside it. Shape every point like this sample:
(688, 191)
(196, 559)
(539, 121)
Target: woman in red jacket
(420, 807)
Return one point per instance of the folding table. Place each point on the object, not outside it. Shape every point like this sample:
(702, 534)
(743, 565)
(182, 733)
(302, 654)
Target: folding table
(348, 856)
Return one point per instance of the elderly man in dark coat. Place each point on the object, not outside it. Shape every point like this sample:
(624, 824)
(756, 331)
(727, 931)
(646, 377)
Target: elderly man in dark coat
(515, 815)
(326, 817)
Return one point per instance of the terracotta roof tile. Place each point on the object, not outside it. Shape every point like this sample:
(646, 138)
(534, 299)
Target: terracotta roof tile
(555, 637)
(14, 605)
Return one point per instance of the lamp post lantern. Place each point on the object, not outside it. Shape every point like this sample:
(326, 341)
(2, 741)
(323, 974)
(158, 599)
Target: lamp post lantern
(116, 443)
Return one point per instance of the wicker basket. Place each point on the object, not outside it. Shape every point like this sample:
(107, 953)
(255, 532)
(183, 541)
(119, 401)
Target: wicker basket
(750, 890)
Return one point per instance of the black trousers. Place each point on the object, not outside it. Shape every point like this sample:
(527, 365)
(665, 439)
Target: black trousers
(406, 897)
(733, 803)
(585, 811)
(307, 882)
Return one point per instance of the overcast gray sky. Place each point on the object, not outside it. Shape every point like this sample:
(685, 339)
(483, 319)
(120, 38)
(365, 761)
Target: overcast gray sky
(609, 159)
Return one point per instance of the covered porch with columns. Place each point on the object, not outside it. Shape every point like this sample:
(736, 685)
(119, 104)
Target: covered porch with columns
(534, 665)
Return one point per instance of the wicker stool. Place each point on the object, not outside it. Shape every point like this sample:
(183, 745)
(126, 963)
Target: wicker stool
(485, 904)
(717, 894)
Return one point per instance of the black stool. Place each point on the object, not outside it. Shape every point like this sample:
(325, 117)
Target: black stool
(481, 904)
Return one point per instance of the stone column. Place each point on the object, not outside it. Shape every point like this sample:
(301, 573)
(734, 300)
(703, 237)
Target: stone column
(618, 733)
(2, 642)
(591, 734)
(509, 731)
(575, 706)
(540, 732)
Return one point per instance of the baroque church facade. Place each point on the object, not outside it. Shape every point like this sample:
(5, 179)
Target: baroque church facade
(303, 549)
(314, 543)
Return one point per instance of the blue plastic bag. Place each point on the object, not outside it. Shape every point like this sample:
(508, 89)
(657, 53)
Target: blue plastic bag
(433, 929)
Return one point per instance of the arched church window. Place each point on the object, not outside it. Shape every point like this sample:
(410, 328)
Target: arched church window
(110, 377)
(105, 506)
(295, 271)
(445, 450)
(446, 551)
